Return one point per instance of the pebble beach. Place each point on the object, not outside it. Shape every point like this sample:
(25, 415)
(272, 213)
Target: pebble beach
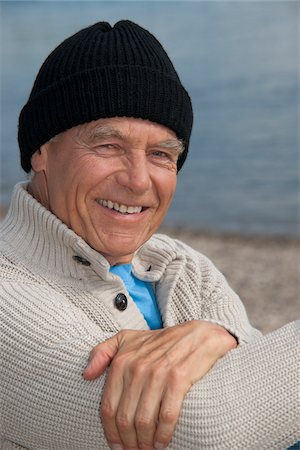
(263, 270)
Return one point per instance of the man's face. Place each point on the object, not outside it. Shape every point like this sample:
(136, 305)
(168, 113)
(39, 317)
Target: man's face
(111, 181)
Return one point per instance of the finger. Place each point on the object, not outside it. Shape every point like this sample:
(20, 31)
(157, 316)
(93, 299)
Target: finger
(125, 417)
(134, 382)
(100, 357)
(109, 405)
(146, 417)
(168, 416)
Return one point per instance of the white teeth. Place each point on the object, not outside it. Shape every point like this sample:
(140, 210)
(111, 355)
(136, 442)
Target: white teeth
(121, 208)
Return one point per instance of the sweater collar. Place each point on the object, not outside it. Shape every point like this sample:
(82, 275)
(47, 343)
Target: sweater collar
(33, 233)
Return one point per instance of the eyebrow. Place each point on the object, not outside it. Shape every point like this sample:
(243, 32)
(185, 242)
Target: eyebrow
(106, 131)
(173, 144)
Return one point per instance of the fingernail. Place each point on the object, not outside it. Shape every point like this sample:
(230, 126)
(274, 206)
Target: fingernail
(116, 447)
(89, 364)
(85, 370)
(159, 446)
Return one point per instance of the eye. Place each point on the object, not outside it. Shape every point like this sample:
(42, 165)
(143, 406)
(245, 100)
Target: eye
(107, 149)
(164, 156)
(160, 153)
(108, 146)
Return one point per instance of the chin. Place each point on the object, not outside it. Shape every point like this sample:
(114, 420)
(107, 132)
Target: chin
(121, 251)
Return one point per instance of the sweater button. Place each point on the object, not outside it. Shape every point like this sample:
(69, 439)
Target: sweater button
(121, 302)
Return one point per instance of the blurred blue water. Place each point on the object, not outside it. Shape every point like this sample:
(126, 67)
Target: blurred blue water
(238, 60)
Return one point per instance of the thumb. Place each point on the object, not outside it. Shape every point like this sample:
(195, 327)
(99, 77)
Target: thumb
(100, 357)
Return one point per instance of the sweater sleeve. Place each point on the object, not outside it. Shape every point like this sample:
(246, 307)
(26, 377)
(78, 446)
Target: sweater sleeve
(220, 304)
(202, 292)
(45, 343)
(248, 401)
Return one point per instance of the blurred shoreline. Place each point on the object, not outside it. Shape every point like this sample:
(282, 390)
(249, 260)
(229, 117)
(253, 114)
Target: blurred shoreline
(262, 269)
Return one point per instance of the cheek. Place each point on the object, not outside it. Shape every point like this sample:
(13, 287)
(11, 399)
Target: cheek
(167, 190)
(73, 177)
(170, 184)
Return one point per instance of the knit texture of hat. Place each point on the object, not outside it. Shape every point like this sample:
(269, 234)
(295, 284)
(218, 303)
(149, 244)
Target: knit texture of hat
(101, 72)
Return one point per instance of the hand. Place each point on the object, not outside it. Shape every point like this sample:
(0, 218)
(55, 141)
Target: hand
(149, 376)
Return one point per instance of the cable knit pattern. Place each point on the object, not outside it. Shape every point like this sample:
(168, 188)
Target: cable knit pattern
(55, 309)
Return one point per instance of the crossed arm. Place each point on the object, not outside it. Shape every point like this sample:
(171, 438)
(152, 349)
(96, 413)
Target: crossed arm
(149, 376)
(46, 403)
(249, 400)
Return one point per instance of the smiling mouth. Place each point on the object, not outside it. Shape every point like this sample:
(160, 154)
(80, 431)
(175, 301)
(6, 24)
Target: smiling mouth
(123, 209)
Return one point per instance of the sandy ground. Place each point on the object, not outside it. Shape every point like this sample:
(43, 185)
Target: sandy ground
(264, 271)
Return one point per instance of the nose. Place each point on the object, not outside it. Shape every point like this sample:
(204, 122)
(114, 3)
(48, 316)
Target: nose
(135, 174)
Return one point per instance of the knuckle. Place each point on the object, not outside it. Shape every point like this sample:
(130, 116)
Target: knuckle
(123, 422)
(138, 369)
(107, 411)
(167, 416)
(158, 371)
(177, 375)
(144, 423)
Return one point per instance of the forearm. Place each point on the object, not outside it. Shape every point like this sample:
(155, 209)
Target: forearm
(249, 400)
(45, 403)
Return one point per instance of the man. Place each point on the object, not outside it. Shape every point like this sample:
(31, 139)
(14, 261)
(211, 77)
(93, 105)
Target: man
(104, 133)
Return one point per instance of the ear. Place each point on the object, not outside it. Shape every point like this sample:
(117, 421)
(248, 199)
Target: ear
(39, 159)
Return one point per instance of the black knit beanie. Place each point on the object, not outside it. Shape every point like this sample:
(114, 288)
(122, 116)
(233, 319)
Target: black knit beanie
(100, 72)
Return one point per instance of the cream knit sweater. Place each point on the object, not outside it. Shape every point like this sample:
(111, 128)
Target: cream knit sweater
(54, 309)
